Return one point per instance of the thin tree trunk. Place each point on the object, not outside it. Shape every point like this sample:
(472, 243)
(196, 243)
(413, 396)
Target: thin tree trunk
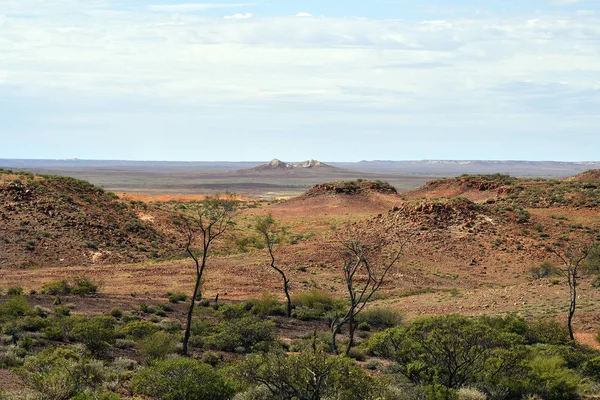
(188, 327)
(573, 303)
(286, 289)
(199, 273)
(350, 333)
(334, 332)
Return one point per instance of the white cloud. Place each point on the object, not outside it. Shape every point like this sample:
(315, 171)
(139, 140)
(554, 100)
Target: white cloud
(194, 7)
(458, 66)
(238, 16)
(303, 14)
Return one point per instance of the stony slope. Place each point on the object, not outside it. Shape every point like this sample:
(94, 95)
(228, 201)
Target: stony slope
(510, 191)
(592, 175)
(51, 220)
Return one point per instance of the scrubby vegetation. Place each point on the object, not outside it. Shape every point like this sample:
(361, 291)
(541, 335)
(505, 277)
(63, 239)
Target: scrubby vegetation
(269, 349)
(236, 355)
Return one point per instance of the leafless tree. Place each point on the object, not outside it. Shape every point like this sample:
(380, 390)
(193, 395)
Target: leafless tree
(572, 256)
(368, 257)
(207, 222)
(266, 227)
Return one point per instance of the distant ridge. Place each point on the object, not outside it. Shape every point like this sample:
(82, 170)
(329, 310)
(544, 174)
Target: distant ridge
(278, 165)
(311, 164)
(274, 164)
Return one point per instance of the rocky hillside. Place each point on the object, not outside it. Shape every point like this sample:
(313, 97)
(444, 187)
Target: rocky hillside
(593, 175)
(510, 191)
(357, 187)
(57, 221)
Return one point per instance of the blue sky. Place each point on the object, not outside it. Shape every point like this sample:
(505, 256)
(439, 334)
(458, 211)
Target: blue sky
(330, 80)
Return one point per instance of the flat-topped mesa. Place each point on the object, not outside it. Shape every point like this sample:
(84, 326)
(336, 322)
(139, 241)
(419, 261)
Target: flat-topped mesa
(311, 164)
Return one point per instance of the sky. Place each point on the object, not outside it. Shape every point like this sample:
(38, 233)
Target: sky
(330, 80)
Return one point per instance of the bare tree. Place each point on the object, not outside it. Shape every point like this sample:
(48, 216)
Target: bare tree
(368, 258)
(206, 223)
(266, 227)
(572, 257)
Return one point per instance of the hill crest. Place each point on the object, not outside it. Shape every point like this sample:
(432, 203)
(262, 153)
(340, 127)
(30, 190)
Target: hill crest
(55, 220)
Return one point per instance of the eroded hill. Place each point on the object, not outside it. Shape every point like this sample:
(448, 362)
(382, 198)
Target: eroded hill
(57, 221)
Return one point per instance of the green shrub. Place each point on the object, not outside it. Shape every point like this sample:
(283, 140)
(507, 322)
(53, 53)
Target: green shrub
(164, 307)
(15, 291)
(357, 354)
(182, 379)
(127, 318)
(204, 303)
(543, 270)
(268, 304)
(17, 306)
(284, 373)
(139, 329)
(381, 318)
(547, 331)
(98, 395)
(241, 335)
(212, 358)
(176, 297)
(116, 313)
(549, 378)
(364, 327)
(170, 326)
(314, 305)
(56, 288)
(62, 311)
(147, 309)
(9, 357)
(34, 323)
(61, 373)
(467, 393)
(427, 350)
(97, 334)
(158, 346)
(83, 285)
(314, 299)
(232, 311)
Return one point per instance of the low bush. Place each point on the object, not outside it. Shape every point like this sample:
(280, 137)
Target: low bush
(98, 334)
(61, 373)
(17, 306)
(56, 288)
(9, 357)
(139, 329)
(547, 331)
(543, 270)
(14, 291)
(79, 285)
(182, 379)
(241, 335)
(357, 354)
(176, 297)
(468, 393)
(97, 395)
(158, 346)
(268, 304)
(381, 318)
(314, 305)
(82, 285)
